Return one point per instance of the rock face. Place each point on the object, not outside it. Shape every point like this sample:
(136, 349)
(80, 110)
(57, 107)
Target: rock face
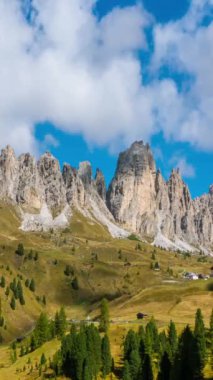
(100, 184)
(46, 195)
(138, 198)
(141, 200)
(131, 195)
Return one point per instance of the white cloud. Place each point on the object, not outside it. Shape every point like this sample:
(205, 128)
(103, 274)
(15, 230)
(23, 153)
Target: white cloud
(84, 74)
(50, 140)
(187, 170)
(187, 47)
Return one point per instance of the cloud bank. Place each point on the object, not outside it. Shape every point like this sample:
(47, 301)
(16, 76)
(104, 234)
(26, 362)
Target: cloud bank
(85, 75)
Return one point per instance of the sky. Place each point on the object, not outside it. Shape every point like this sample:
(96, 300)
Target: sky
(86, 78)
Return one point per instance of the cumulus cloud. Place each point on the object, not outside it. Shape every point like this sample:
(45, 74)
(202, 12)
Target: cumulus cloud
(84, 74)
(50, 140)
(187, 170)
(186, 46)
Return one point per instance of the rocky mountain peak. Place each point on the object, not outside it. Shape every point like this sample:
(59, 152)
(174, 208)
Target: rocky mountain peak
(135, 160)
(8, 151)
(138, 197)
(85, 173)
(100, 184)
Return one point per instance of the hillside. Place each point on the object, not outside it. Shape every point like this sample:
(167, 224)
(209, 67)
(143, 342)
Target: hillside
(118, 269)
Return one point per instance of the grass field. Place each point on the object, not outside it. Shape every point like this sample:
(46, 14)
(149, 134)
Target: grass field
(114, 268)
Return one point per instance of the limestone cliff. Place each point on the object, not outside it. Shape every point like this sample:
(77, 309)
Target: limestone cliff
(138, 198)
(141, 200)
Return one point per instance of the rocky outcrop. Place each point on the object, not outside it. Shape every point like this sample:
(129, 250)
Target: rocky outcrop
(46, 195)
(141, 200)
(131, 195)
(138, 198)
(100, 184)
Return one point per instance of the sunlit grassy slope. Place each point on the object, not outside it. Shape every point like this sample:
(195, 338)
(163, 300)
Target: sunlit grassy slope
(108, 267)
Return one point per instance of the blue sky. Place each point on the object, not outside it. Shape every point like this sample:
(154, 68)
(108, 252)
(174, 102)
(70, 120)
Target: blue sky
(85, 82)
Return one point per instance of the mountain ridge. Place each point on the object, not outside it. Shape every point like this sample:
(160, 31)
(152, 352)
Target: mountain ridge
(137, 200)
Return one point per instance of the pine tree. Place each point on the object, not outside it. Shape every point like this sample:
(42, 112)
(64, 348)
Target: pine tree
(172, 338)
(21, 299)
(147, 372)
(32, 285)
(87, 372)
(19, 292)
(36, 256)
(13, 303)
(43, 359)
(106, 356)
(3, 282)
(165, 367)
(20, 250)
(104, 317)
(187, 362)
(134, 364)
(42, 331)
(130, 344)
(7, 291)
(126, 371)
(60, 323)
(199, 333)
(152, 342)
(22, 352)
(44, 300)
(75, 284)
(1, 321)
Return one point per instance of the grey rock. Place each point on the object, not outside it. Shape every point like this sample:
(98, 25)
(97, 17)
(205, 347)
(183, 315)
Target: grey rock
(140, 199)
(100, 184)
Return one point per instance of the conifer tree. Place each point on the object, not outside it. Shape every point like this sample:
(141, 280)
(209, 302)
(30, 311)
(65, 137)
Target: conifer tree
(187, 362)
(152, 338)
(44, 300)
(19, 292)
(20, 250)
(172, 338)
(42, 331)
(22, 351)
(134, 364)
(87, 372)
(32, 285)
(60, 323)
(106, 356)
(130, 344)
(104, 317)
(13, 303)
(126, 371)
(3, 282)
(147, 372)
(199, 333)
(7, 291)
(43, 359)
(165, 367)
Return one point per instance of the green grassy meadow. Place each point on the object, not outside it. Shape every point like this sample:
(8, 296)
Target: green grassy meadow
(104, 267)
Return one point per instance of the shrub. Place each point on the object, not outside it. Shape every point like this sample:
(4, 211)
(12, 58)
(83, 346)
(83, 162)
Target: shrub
(210, 286)
(75, 284)
(20, 250)
(133, 237)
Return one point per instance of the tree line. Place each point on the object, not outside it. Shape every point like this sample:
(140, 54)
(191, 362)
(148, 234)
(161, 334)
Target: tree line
(147, 354)
(84, 354)
(172, 357)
